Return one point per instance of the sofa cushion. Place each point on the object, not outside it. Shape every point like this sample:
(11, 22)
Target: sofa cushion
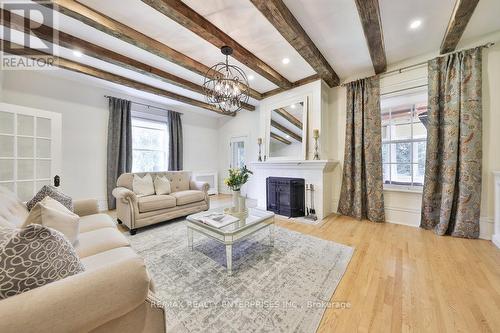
(99, 240)
(96, 221)
(51, 213)
(187, 197)
(155, 202)
(52, 192)
(13, 212)
(162, 185)
(103, 259)
(35, 256)
(143, 185)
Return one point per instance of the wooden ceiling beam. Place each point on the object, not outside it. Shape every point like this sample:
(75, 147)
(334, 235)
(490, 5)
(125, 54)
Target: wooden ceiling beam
(280, 138)
(103, 75)
(288, 116)
(14, 21)
(295, 84)
(278, 14)
(179, 12)
(369, 13)
(462, 12)
(103, 23)
(285, 130)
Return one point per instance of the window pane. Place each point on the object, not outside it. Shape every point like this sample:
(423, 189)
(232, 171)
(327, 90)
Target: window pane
(43, 127)
(25, 169)
(418, 174)
(146, 138)
(385, 153)
(43, 148)
(148, 161)
(419, 152)
(25, 147)
(401, 115)
(401, 174)
(419, 131)
(386, 121)
(25, 125)
(400, 153)
(401, 132)
(386, 168)
(6, 170)
(6, 146)
(6, 122)
(43, 169)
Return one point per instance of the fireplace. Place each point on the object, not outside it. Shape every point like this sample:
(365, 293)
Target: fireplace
(285, 196)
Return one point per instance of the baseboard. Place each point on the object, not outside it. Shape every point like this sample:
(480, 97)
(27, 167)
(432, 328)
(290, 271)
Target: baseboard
(496, 240)
(411, 217)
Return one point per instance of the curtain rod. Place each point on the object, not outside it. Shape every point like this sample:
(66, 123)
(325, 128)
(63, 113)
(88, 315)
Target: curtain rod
(400, 70)
(147, 105)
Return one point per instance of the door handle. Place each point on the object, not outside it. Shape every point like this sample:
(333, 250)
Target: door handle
(57, 181)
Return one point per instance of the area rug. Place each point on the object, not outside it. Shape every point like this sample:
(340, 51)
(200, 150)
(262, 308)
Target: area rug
(285, 288)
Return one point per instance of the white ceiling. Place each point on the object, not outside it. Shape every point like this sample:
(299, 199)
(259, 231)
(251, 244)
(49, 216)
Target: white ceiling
(333, 25)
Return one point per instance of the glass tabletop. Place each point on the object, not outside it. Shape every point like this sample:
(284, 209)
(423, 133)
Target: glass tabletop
(255, 216)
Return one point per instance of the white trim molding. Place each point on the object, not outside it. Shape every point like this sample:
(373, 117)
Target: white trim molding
(496, 232)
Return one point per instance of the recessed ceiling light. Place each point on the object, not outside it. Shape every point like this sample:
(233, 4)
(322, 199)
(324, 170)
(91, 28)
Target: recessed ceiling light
(293, 106)
(251, 77)
(285, 61)
(288, 136)
(415, 24)
(77, 53)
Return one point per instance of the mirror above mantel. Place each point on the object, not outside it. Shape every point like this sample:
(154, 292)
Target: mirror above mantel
(287, 130)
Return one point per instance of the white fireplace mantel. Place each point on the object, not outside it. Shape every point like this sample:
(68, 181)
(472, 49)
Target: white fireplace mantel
(496, 233)
(316, 172)
(324, 165)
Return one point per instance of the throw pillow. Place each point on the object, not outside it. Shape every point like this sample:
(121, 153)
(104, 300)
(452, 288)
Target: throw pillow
(52, 192)
(53, 214)
(162, 185)
(33, 257)
(143, 186)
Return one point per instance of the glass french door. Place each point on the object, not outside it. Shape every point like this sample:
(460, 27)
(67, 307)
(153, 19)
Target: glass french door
(30, 149)
(237, 152)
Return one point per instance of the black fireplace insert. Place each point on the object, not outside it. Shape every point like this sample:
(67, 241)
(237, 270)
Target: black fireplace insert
(286, 196)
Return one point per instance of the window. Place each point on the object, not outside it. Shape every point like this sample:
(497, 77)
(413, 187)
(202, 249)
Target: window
(237, 146)
(149, 145)
(404, 137)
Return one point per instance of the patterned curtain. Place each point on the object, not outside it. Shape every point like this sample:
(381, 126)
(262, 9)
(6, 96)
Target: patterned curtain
(361, 195)
(119, 159)
(175, 151)
(452, 188)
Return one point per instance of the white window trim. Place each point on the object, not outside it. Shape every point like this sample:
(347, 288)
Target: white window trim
(399, 187)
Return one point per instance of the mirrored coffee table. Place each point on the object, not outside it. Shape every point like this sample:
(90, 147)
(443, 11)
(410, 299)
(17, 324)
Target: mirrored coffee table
(229, 234)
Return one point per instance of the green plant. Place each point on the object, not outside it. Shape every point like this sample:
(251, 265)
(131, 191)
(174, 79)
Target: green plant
(237, 177)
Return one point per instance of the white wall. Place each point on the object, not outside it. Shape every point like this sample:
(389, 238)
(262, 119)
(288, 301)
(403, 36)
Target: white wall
(404, 207)
(84, 120)
(246, 123)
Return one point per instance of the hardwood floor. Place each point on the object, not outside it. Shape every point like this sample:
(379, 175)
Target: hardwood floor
(405, 279)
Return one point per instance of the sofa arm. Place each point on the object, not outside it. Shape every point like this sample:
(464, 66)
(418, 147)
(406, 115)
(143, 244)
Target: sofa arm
(200, 186)
(85, 207)
(124, 194)
(78, 303)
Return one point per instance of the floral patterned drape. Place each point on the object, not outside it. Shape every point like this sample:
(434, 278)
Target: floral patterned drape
(452, 187)
(361, 195)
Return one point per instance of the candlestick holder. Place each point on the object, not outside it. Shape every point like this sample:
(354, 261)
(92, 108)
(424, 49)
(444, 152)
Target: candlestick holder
(316, 137)
(259, 142)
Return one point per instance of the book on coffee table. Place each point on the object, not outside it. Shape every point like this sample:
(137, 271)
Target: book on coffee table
(217, 220)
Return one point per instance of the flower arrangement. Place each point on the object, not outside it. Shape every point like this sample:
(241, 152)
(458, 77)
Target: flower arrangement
(237, 177)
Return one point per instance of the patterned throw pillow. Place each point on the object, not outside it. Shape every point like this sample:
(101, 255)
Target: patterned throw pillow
(52, 192)
(33, 257)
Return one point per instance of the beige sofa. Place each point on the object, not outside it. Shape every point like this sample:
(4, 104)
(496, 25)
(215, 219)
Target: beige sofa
(113, 294)
(187, 197)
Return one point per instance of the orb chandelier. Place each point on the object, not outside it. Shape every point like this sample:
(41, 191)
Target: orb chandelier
(225, 85)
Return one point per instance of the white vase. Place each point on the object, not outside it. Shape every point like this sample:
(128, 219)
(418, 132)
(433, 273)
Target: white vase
(236, 200)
